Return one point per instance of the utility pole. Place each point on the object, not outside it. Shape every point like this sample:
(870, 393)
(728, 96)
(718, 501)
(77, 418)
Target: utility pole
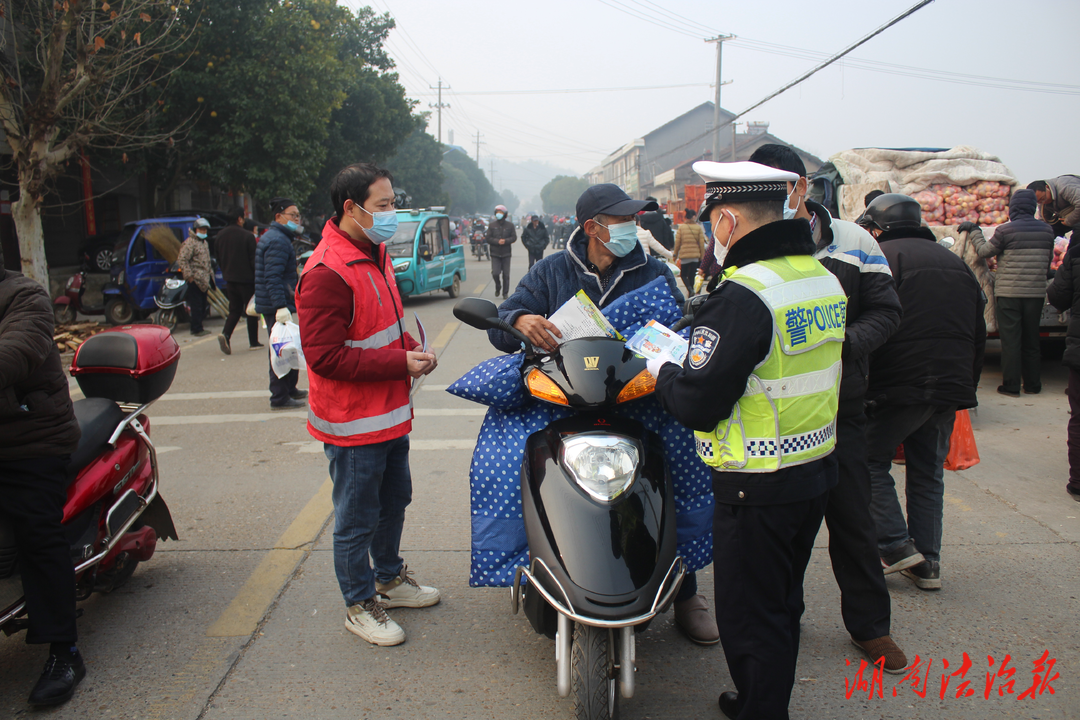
(719, 40)
(439, 106)
(478, 136)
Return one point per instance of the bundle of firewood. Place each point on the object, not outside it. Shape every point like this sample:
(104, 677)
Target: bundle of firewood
(68, 338)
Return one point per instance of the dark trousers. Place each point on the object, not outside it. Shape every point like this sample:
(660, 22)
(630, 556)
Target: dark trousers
(864, 597)
(1018, 325)
(1073, 392)
(760, 553)
(688, 272)
(280, 387)
(196, 300)
(32, 495)
(500, 270)
(924, 431)
(535, 256)
(239, 294)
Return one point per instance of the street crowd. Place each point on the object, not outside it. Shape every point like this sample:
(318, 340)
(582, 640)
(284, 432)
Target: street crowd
(821, 347)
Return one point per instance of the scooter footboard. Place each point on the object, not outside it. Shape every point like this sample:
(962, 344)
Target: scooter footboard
(607, 560)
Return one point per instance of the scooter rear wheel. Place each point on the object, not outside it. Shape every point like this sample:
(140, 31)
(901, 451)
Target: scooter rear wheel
(592, 674)
(64, 314)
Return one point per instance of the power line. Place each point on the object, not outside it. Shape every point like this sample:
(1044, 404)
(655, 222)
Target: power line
(652, 20)
(565, 91)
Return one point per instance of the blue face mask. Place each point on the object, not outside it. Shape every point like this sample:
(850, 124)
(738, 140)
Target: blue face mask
(383, 228)
(293, 227)
(499, 216)
(623, 237)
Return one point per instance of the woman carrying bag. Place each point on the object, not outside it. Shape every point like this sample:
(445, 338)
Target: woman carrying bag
(689, 247)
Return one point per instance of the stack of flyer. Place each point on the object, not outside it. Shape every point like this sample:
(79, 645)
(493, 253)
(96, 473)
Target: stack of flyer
(658, 341)
(580, 318)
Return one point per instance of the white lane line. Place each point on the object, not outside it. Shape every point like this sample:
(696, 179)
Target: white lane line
(315, 447)
(222, 395)
(162, 420)
(433, 388)
(166, 448)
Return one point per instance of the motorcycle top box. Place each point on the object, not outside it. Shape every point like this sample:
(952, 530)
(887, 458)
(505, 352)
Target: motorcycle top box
(129, 364)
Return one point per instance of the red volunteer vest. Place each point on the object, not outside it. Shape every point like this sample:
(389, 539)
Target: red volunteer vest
(356, 412)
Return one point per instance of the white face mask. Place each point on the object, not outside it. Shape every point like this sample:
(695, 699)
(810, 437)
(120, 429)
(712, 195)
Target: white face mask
(789, 212)
(720, 251)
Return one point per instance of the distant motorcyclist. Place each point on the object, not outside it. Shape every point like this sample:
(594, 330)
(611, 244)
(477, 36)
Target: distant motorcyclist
(501, 234)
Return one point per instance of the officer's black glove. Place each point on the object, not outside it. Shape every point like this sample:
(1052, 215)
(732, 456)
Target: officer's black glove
(966, 226)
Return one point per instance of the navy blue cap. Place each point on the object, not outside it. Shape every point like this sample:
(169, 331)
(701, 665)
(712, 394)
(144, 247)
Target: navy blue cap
(609, 199)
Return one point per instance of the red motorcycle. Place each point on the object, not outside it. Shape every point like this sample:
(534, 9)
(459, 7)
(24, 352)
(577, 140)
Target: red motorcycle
(70, 304)
(114, 515)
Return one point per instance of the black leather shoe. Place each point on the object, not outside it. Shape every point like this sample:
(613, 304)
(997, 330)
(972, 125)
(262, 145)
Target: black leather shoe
(298, 394)
(58, 680)
(729, 702)
(289, 404)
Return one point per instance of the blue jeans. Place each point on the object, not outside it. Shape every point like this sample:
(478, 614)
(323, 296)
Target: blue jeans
(924, 431)
(372, 488)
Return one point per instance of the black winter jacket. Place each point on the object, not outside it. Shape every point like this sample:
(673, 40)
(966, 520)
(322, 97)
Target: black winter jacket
(936, 356)
(873, 310)
(275, 271)
(702, 398)
(1064, 294)
(1026, 246)
(235, 248)
(535, 238)
(36, 417)
(500, 230)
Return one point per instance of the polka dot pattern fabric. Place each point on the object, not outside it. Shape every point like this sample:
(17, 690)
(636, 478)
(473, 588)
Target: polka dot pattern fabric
(498, 530)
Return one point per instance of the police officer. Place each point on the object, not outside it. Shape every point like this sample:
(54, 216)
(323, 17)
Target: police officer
(760, 389)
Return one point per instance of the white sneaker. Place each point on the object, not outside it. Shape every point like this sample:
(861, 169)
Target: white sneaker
(403, 591)
(370, 621)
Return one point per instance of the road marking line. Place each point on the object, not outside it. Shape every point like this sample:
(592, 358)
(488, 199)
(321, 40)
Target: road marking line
(433, 388)
(445, 335)
(164, 420)
(222, 395)
(263, 585)
(480, 288)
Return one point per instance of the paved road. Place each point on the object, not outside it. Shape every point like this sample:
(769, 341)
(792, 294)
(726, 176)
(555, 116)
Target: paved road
(242, 617)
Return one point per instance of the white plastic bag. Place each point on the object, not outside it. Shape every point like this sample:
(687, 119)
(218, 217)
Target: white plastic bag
(285, 351)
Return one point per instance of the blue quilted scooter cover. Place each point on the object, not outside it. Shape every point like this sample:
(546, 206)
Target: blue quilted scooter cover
(498, 530)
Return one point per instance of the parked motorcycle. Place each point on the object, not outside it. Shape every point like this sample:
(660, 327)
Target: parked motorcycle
(67, 307)
(114, 515)
(599, 514)
(171, 299)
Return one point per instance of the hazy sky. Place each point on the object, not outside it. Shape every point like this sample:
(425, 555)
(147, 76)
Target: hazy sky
(957, 72)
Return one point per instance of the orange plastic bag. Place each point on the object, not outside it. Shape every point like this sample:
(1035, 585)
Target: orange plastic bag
(962, 451)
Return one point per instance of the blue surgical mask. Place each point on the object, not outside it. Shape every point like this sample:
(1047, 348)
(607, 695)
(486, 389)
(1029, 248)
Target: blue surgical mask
(293, 226)
(384, 226)
(499, 216)
(789, 212)
(623, 237)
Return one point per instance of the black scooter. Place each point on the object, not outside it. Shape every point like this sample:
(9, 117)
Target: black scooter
(599, 515)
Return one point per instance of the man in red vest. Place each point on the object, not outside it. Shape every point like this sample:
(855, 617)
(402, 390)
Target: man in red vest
(361, 365)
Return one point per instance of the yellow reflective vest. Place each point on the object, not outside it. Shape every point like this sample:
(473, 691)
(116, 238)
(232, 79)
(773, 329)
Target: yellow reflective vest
(787, 416)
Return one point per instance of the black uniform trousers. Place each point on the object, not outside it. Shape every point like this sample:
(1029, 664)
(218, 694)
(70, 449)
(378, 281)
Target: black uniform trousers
(239, 294)
(32, 496)
(760, 553)
(281, 388)
(864, 597)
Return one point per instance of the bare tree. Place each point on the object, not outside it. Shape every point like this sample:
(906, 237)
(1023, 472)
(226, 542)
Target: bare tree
(77, 74)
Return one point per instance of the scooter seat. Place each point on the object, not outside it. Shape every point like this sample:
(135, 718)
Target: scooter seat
(98, 418)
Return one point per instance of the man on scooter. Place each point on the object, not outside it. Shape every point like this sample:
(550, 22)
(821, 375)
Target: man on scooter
(38, 433)
(760, 388)
(603, 257)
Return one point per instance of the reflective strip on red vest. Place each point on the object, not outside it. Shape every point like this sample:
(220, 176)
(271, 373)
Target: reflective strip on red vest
(378, 340)
(362, 425)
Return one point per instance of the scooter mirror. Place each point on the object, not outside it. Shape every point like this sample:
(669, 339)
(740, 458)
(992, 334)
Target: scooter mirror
(478, 312)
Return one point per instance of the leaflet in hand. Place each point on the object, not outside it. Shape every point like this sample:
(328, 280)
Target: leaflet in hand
(580, 318)
(657, 341)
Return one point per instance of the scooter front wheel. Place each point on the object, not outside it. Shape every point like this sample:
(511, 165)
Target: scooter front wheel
(592, 674)
(119, 312)
(166, 318)
(63, 314)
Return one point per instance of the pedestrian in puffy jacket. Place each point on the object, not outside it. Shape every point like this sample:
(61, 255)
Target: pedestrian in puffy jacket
(1026, 247)
(689, 249)
(38, 433)
(275, 291)
(501, 235)
(1064, 294)
(535, 238)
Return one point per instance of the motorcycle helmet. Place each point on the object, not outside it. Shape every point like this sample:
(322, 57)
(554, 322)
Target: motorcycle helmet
(502, 209)
(891, 211)
(202, 223)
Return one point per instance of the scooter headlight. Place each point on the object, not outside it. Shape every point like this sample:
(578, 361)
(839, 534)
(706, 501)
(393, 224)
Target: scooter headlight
(604, 466)
(173, 283)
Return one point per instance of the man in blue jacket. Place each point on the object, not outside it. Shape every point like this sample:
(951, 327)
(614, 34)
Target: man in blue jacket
(275, 292)
(604, 258)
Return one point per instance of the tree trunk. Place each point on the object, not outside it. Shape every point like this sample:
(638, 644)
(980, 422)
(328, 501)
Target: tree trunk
(27, 215)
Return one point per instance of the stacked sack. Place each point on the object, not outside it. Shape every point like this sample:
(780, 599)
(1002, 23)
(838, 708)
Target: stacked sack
(985, 203)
